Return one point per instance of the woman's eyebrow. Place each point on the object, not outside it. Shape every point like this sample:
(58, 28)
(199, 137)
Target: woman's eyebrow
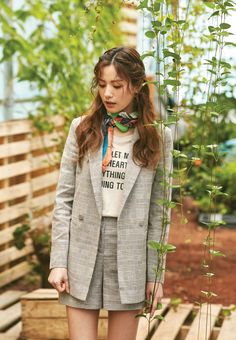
(113, 81)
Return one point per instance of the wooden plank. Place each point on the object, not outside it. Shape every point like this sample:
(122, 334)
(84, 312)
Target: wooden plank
(12, 253)
(102, 328)
(55, 328)
(14, 169)
(44, 181)
(130, 40)
(15, 127)
(128, 27)
(6, 235)
(4, 336)
(14, 273)
(13, 212)
(43, 201)
(46, 140)
(41, 294)
(9, 297)
(228, 328)
(175, 319)
(14, 330)
(142, 331)
(14, 148)
(44, 161)
(207, 315)
(14, 191)
(42, 309)
(129, 13)
(9, 316)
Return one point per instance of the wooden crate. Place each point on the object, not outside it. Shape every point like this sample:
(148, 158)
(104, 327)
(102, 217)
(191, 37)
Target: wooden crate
(10, 314)
(44, 318)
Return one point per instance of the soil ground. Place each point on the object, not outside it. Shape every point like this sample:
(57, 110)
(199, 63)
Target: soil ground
(184, 278)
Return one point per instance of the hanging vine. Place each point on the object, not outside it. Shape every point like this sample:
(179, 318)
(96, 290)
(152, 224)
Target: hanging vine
(172, 33)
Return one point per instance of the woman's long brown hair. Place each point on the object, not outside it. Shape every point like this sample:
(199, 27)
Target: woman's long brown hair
(129, 66)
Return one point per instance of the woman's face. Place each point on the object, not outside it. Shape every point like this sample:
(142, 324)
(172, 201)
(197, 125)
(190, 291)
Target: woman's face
(116, 93)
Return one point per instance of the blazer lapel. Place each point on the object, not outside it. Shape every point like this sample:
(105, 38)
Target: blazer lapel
(132, 172)
(95, 165)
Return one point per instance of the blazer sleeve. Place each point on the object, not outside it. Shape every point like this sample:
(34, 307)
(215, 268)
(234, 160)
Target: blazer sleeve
(63, 200)
(161, 190)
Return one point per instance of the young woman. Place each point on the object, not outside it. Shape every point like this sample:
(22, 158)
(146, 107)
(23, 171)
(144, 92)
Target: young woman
(106, 207)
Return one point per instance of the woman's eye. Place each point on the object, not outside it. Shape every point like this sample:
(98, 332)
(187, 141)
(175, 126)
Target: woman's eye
(117, 87)
(101, 85)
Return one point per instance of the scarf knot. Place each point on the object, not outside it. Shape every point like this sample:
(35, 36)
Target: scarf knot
(123, 121)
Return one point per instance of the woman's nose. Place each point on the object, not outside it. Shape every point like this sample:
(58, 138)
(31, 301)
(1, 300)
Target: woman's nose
(107, 92)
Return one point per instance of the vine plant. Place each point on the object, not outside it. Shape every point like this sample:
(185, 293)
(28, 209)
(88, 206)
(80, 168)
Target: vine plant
(170, 24)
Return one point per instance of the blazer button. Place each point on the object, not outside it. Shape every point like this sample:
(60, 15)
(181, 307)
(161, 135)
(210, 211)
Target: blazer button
(81, 217)
(140, 224)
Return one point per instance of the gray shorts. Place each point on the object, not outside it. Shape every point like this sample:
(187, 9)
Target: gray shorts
(104, 289)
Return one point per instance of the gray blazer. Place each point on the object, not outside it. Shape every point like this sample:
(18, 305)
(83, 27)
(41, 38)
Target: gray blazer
(77, 219)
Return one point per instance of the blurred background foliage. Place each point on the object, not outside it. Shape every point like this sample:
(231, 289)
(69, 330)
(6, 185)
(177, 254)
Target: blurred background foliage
(58, 55)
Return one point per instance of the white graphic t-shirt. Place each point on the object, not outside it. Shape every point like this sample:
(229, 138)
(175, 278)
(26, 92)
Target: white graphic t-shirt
(114, 176)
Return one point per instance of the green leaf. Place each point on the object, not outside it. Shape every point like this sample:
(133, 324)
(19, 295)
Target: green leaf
(225, 26)
(140, 316)
(143, 4)
(209, 4)
(148, 54)
(156, 6)
(159, 317)
(228, 43)
(172, 82)
(156, 23)
(154, 245)
(169, 247)
(214, 114)
(150, 34)
(211, 29)
(209, 294)
(168, 53)
(214, 14)
(214, 224)
(216, 252)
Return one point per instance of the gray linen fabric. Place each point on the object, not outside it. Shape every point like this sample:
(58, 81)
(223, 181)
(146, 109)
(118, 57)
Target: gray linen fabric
(77, 217)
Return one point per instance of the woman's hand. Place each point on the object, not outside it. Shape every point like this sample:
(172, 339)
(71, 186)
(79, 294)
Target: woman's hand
(157, 295)
(58, 278)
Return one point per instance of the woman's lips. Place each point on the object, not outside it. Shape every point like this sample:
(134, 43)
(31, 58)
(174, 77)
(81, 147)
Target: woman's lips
(109, 104)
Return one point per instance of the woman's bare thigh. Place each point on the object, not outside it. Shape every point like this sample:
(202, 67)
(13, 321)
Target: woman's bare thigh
(122, 325)
(82, 323)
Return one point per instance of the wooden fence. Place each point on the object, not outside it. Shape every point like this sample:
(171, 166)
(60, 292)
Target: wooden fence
(28, 177)
(129, 24)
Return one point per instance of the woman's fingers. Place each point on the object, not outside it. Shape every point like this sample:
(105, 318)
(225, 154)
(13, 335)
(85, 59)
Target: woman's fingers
(67, 286)
(59, 280)
(60, 286)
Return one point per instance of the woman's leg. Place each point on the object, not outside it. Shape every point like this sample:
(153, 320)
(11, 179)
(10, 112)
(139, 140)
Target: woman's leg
(122, 325)
(82, 323)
